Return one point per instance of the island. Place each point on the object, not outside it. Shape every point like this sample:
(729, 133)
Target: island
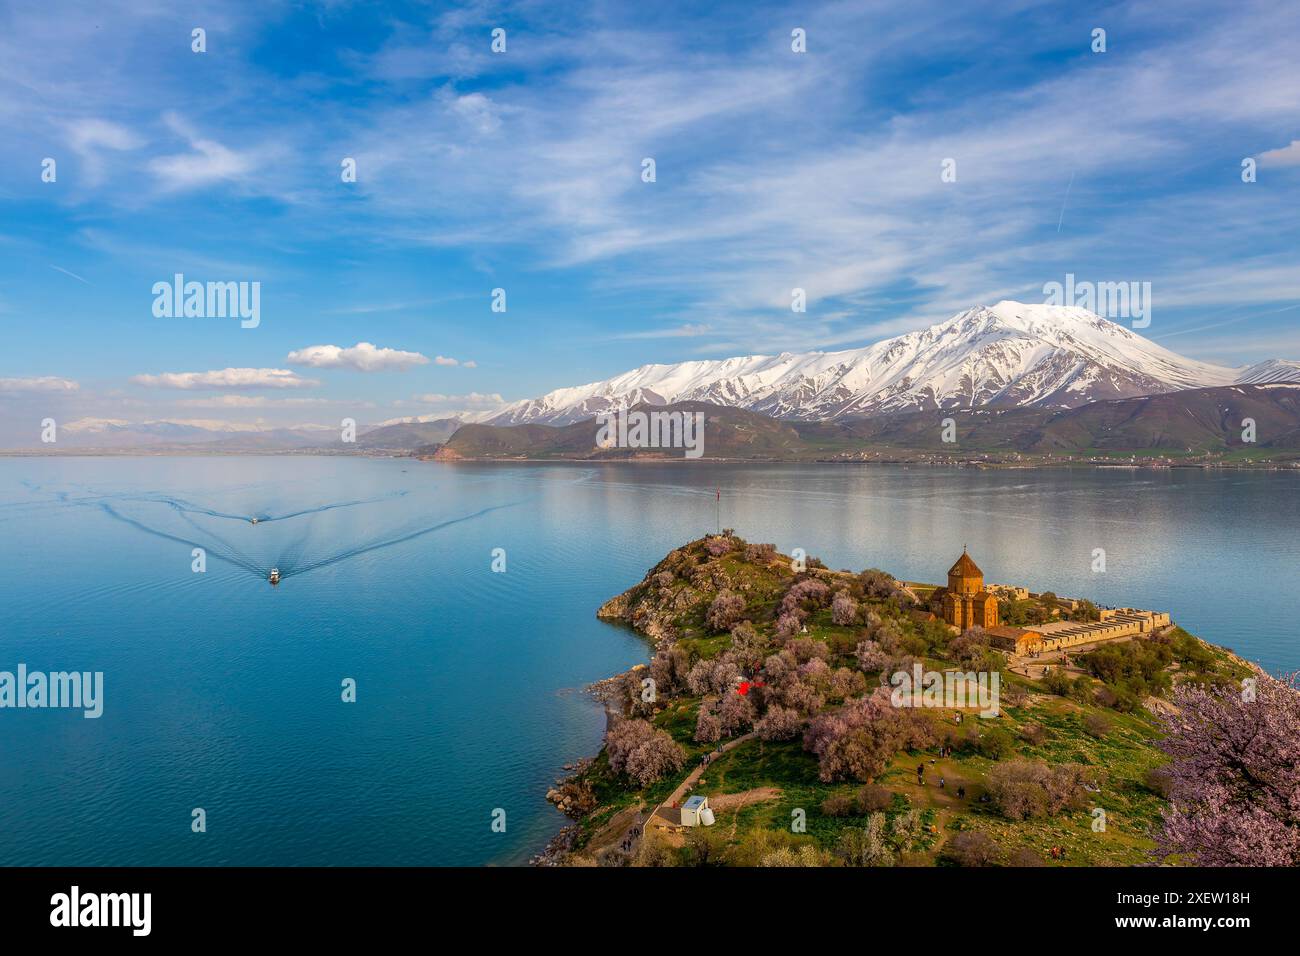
(795, 715)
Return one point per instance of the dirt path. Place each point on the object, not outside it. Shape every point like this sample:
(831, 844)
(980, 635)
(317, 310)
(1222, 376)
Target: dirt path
(694, 775)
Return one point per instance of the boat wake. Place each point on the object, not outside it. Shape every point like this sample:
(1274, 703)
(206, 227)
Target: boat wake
(388, 542)
(292, 560)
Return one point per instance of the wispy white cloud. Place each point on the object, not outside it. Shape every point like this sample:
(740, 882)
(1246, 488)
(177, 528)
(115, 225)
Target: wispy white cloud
(472, 398)
(45, 383)
(252, 401)
(227, 378)
(207, 160)
(1283, 156)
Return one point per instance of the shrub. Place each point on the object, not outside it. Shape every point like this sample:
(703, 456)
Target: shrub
(971, 848)
(1026, 789)
(1024, 856)
(779, 723)
(873, 798)
(858, 741)
(726, 610)
(845, 683)
(1095, 725)
(656, 758)
(1058, 682)
(736, 712)
(839, 805)
(871, 656)
(806, 595)
(669, 668)
(1159, 780)
(708, 728)
(876, 583)
(788, 625)
(805, 856)
(642, 751)
(866, 846)
(1033, 734)
(718, 546)
(844, 610)
(906, 829)
(995, 743)
(712, 677)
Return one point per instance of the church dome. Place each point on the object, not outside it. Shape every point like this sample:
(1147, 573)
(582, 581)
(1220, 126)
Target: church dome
(965, 568)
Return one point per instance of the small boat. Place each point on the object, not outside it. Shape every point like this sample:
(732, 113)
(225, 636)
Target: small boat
(254, 520)
(275, 576)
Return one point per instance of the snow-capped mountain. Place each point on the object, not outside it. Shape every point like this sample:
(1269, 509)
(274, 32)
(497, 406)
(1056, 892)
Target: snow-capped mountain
(1009, 354)
(1270, 372)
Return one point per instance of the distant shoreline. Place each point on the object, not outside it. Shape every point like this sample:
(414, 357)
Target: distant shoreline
(1140, 464)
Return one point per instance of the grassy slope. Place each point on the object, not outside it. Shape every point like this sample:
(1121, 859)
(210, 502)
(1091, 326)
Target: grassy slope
(1124, 754)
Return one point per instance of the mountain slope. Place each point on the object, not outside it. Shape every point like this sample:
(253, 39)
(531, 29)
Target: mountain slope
(730, 433)
(1009, 354)
(1192, 421)
(404, 436)
(1274, 370)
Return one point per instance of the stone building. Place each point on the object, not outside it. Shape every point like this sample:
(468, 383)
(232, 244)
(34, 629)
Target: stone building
(1017, 640)
(964, 602)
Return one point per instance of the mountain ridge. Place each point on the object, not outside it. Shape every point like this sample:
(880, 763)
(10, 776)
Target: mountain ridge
(1007, 354)
(1209, 421)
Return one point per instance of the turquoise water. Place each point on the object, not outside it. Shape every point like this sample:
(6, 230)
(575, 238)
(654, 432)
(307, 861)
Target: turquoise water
(224, 693)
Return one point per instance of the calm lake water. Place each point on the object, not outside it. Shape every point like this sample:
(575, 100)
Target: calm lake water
(224, 693)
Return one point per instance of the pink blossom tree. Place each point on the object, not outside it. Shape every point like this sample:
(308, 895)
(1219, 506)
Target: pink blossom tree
(736, 712)
(1234, 779)
(779, 723)
(642, 751)
(844, 610)
(728, 608)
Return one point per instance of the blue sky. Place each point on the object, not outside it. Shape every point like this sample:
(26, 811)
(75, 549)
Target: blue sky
(522, 171)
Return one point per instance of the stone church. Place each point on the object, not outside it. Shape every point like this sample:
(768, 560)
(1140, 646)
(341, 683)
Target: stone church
(964, 602)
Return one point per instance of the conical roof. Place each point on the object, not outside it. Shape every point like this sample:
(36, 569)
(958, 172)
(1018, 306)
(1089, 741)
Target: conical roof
(965, 567)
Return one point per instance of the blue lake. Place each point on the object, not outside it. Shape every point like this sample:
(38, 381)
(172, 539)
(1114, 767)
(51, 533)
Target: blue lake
(223, 692)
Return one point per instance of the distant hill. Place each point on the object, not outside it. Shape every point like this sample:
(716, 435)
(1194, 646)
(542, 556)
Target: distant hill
(730, 433)
(406, 436)
(1193, 421)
